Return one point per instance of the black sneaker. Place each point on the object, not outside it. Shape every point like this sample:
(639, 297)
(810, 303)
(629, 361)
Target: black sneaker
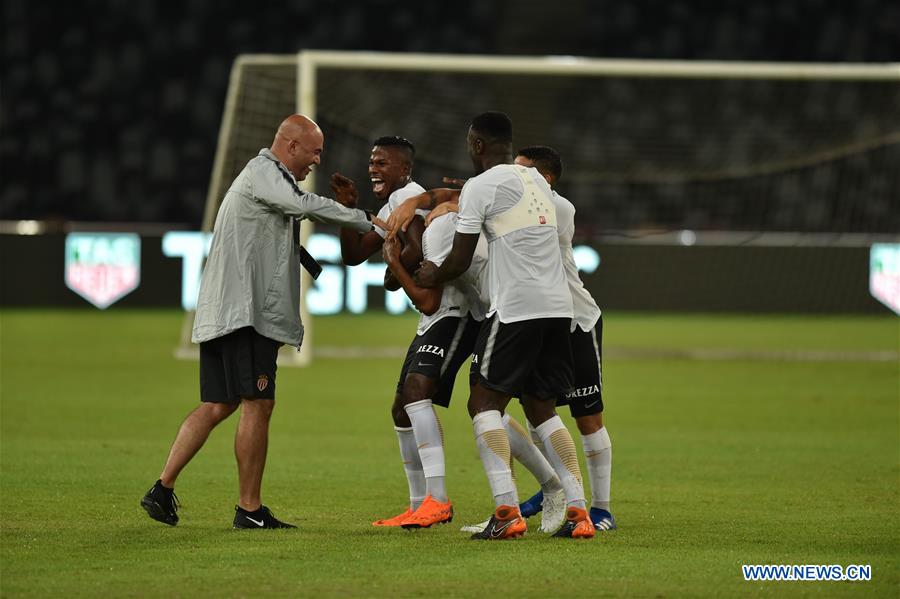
(506, 523)
(161, 504)
(261, 518)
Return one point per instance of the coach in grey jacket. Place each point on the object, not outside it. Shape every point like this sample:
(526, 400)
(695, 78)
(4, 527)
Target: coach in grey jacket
(249, 305)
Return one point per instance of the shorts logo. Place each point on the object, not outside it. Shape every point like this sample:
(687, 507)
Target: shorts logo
(584, 391)
(431, 349)
(542, 219)
(262, 382)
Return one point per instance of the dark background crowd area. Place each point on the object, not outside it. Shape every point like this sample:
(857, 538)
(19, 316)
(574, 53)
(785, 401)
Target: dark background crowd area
(111, 109)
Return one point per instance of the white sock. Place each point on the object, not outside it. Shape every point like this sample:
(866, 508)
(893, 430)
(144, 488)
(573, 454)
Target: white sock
(562, 455)
(430, 446)
(493, 446)
(527, 453)
(598, 456)
(412, 464)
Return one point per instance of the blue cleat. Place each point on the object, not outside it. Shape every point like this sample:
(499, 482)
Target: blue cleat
(602, 519)
(532, 506)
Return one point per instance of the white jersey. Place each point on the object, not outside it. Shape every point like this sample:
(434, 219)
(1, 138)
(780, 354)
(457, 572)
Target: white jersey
(513, 206)
(468, 293)
(585, 308)
(397, 197)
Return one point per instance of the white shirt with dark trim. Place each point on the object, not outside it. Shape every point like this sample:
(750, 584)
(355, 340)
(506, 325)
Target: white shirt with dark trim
(586, 311)
(468, 293)
(397, 197)
(526, 274)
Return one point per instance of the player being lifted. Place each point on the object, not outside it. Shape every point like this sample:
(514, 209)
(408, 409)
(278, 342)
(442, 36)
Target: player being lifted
(523, 345)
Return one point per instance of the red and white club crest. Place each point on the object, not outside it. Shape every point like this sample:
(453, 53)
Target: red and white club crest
(542, 219)
(262, 382)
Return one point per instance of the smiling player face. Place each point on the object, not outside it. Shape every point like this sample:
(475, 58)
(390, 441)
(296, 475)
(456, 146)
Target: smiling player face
(389, 170)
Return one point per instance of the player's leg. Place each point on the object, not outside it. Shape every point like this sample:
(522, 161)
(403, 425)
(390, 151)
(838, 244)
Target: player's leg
(506, 355)
(252, 377)
(587, 409)
(552, 378)
(160, 501)
(529, 455)
(409, 453)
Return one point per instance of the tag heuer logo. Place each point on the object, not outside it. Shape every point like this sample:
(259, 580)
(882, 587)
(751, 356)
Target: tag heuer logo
(103, 267)
(262, 382)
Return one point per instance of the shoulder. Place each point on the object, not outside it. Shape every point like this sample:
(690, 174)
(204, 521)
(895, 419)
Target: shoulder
(404, 193)
(563, 205)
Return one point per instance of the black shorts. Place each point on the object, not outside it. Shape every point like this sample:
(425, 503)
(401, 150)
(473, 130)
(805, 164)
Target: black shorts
(439, 352)
(587, 352)
(530, 357)
(236, 366)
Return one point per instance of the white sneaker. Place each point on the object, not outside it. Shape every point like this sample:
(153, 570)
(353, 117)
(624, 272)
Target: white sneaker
(554, 512)
(480, 526)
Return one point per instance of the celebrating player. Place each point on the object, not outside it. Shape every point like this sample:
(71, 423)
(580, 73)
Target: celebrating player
(523, 346)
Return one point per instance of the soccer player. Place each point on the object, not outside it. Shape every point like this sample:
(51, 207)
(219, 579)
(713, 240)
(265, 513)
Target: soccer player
(586, 337)
(445, 337)
(523, 346)
(248, 307)
(390, 172)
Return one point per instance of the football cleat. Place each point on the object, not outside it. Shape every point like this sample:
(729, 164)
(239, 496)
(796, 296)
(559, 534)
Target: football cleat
(532, 505)
(396, 520)
(506, 523)
(554, 513)
(602, 519)
(576, 526)
(430, 512)
(161, 504)
(475, 527)
(261, 518)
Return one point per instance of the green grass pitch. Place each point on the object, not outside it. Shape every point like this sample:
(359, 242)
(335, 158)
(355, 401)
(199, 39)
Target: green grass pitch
(716, 463)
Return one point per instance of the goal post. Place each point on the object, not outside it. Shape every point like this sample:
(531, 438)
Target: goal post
(649, 146)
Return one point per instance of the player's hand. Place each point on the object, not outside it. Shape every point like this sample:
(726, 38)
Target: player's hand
(391, 250)
(344, 190)
(379, 223)
(441, 210)
(402, 215)
(426, 276)
(454, 182)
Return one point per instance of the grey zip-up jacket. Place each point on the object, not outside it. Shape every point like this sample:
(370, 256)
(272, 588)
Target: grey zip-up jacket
(252, 275)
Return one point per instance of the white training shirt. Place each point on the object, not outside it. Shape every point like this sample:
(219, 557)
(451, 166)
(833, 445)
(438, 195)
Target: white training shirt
(513, 206)
(397, 197)
(584, 307)
(466, 294)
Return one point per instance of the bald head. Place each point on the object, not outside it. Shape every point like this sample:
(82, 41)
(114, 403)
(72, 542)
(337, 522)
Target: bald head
(298, 144)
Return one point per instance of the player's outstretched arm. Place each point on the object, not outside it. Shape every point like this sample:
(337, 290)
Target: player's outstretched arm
(403, 214)
(426, 301)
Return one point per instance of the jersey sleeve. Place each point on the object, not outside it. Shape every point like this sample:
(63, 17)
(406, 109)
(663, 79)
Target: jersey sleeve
(437, 241)
(274, 188)
(473, 206)
(383, 214)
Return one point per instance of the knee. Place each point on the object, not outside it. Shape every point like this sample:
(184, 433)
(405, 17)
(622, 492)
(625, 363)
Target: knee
(217, 412)
(538, 411)
(589, 424)
(398, 414)
(259, 408)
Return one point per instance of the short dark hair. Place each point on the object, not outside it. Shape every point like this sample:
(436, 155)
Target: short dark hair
(493, 125)
(545, 159)
(395, 140)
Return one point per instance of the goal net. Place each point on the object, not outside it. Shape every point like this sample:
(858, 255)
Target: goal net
(652, 149)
